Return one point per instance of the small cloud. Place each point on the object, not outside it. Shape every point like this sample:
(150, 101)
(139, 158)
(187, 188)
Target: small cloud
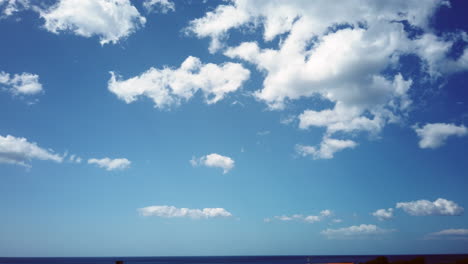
(237, 103)
(353, 232)
(111, 164)
(287, 120)
(304, 218)
(21, 84)
(214, 160)
(383, 214)
(74, 159)
(336, 221)
(435, 135)
(452, 234)
(17, 150)
(159, 6)
(174, 212)
(328, 147)
(424, 207)
(263, 133)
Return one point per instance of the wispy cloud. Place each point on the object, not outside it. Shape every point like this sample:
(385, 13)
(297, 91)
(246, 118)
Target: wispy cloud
(327, 148)
(111, 164)
(302, 218)
(174, 212)
(353, 232)
(451, 234)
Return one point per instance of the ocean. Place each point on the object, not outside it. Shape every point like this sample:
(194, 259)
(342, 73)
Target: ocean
(429, 259)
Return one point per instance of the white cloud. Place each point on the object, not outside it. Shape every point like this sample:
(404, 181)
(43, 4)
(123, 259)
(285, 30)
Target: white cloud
(110, 20)
(424, 207)
(435, 135)
(337, 220)
(287, 120)
(163, 6)
(75, 159)
(383, 214)
(449, 234)
(21, 84)
(354, 232)
(214, 160)
(263, 133)
(16, 150)
(111, 164)
(328, 147)
(168, 86)
(303, 218)
(337, 53)
(171, 212)
(9, 7)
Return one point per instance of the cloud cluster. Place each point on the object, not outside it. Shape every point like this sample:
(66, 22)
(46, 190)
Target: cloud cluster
(163, 6)
(111, 164)
(424, 207)
(435, 135)
(172, 212)
(214, 160)
(17, 150)
(167, 87)
(347, 54)
(354, 232)
(303, 218)
(110, 20)
(383, 214)
(20, 84)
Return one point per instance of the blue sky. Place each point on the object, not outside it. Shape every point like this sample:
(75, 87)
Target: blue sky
(161, 127)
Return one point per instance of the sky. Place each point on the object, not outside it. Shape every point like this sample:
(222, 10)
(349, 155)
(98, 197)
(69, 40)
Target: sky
(182, 128)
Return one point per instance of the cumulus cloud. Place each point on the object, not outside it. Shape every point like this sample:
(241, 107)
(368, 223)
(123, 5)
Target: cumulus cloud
(167, 87)
(214, 160)
(17, 150)
(328, 147)
(424, 207)
(341, 54)
(163, 6)
(383, 214)
(172, 212)
(303, 218)
(449, 234)
(435, 135)
(355, 232)
(110, 20)
(111, 164)
(20, 84)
